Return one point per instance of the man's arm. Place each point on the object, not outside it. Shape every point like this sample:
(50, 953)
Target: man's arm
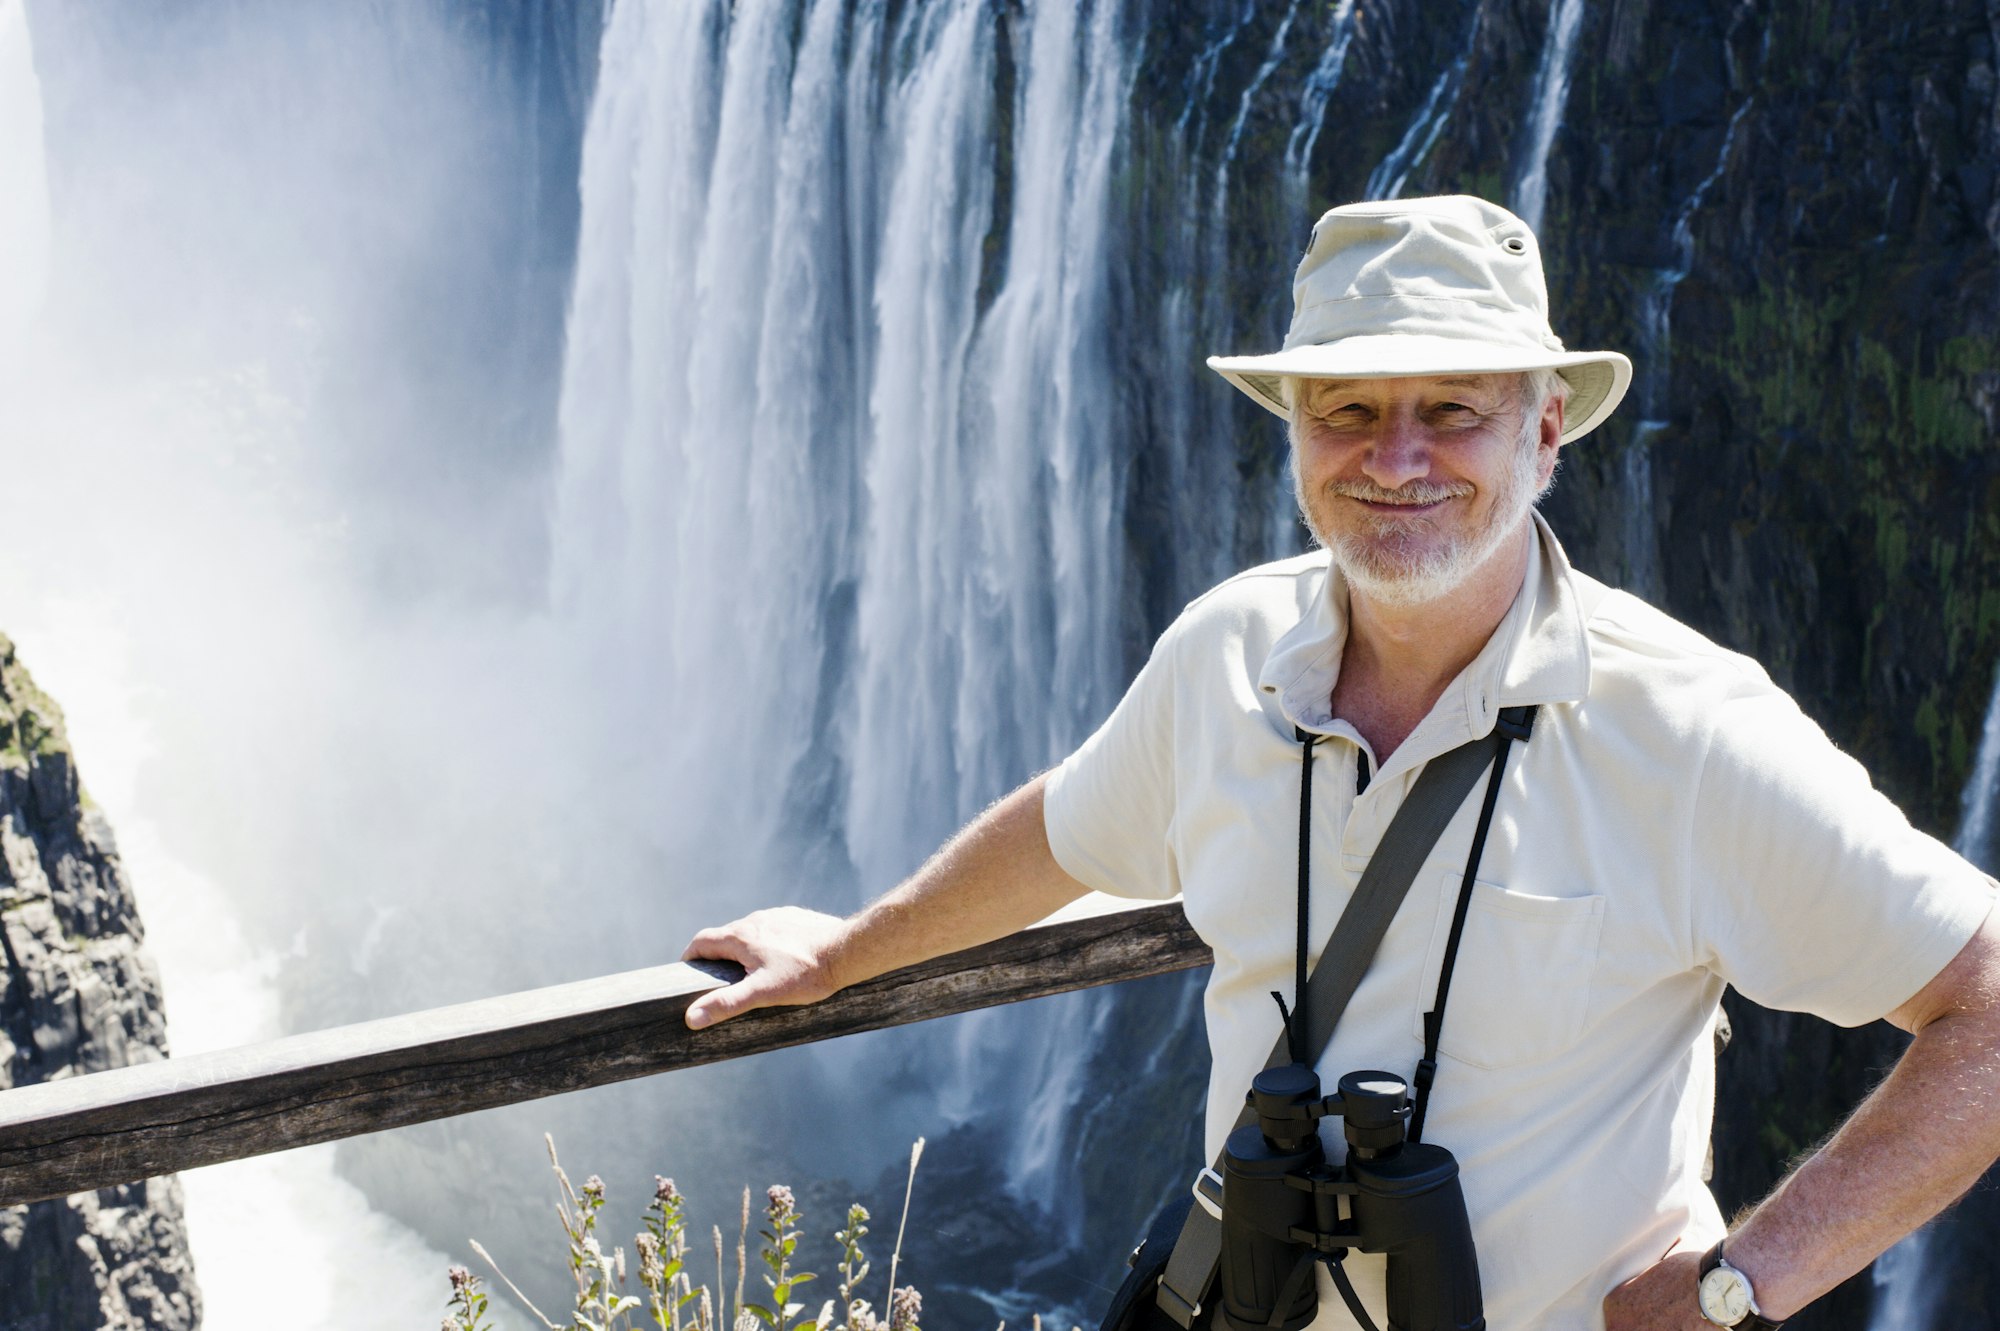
(996, 876)
(1918, 1141)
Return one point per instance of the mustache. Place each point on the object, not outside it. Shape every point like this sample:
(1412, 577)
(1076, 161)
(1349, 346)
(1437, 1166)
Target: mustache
(1414, 494)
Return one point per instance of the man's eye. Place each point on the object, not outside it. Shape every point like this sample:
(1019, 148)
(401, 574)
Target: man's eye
(1341, 415)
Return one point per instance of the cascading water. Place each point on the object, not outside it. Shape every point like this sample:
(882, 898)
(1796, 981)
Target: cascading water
(1980, 808)
(1653, 379)
(1274, 56)
(1545, 111)
(837, 500)
(1207, 64)
(1392, 173)
(1319, 87)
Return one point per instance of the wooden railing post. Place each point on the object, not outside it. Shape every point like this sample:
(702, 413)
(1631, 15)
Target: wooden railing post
(97, 1131)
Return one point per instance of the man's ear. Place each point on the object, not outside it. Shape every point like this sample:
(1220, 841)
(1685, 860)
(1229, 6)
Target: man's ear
(1549, 447)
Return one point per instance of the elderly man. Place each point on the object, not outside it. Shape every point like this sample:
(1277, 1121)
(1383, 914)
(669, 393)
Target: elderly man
(1669, 823)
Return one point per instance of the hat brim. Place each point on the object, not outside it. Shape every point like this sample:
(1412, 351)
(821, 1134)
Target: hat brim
(1597, 379)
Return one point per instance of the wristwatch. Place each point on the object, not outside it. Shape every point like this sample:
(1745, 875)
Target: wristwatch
(1726, 1296)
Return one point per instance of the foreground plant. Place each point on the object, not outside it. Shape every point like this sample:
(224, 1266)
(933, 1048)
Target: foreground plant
(669, 1299)
(468, 1304)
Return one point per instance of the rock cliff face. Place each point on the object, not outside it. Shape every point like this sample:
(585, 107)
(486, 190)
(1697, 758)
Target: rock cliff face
(80, 996)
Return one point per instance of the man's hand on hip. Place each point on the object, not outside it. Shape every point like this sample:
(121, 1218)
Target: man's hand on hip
(1660, 1298)
(786, 956)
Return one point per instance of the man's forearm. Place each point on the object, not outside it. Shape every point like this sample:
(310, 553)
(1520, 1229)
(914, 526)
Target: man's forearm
(996, 876)
(1916, 1144)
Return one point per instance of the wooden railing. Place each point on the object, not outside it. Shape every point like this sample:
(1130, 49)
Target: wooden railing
(108, 1128)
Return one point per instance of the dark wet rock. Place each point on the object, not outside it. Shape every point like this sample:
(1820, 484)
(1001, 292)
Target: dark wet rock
(80, 995)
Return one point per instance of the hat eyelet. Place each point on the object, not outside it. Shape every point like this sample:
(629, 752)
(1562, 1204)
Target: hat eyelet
(1514, 245)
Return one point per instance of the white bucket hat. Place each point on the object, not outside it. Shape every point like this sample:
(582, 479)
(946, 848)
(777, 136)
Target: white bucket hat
(1449, 285)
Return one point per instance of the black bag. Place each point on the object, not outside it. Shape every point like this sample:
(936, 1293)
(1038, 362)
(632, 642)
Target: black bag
(1136, 1307)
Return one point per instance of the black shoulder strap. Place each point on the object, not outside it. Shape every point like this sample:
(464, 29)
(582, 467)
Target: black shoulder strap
(1405, 845)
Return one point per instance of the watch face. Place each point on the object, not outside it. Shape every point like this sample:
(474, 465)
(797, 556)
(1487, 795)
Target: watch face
(1725, 1296)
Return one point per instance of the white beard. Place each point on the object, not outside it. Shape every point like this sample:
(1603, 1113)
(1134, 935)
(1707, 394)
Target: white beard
(1388, 576)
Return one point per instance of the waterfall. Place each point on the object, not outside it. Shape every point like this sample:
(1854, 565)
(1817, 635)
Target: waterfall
(1392, 173)
(1650, 401)
(1981, 803)
(1274, 56)
(24, 194)
(1313, 97)
(837, 507)
(1207, 63)
(1545, 110)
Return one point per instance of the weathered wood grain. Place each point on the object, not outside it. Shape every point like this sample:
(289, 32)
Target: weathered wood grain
(96, 1131)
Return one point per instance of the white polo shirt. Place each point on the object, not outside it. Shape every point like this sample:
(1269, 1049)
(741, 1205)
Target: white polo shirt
(1674, 825)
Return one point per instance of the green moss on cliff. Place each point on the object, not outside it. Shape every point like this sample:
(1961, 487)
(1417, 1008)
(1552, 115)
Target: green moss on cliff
(31, 725)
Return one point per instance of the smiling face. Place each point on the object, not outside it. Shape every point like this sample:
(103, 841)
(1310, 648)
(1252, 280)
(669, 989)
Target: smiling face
(1416, 484)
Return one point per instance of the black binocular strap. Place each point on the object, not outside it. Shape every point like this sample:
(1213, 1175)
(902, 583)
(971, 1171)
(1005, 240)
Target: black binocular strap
(1515, 723)
(1407, 842)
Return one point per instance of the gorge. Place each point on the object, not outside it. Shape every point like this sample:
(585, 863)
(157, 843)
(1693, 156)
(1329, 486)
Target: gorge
(595, 470)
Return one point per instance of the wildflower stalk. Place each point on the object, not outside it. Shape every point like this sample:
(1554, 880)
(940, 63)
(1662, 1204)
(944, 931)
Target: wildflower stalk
(853, 1264)
(599, 1305)
(673, 1302)
(487, 1258)
(742, 1261)
(896, 1256)
(663, 1250)
(719, 1284)
(468, 1302)
(781, 1242)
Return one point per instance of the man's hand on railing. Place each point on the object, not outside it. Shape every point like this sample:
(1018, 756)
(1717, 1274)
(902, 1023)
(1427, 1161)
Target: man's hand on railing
(786, 956)
(995, 877)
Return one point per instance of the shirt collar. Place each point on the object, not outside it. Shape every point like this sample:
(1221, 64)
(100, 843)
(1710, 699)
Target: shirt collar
(1538, 654)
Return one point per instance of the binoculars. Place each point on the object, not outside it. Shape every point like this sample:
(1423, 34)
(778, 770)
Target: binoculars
(1281, 1207)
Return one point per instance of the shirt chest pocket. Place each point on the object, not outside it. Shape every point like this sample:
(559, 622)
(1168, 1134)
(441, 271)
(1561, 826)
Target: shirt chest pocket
(1520, 988)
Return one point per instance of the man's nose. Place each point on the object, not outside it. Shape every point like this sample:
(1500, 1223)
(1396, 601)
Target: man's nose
(1398, 454)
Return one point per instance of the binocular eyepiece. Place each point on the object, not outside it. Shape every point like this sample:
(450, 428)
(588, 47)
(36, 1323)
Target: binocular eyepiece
(1281, 1212)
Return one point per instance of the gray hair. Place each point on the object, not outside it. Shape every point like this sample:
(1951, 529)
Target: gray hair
(1538, 386)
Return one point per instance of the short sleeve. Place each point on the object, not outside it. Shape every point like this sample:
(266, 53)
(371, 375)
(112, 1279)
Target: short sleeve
(1810, 890)
(1108, 808)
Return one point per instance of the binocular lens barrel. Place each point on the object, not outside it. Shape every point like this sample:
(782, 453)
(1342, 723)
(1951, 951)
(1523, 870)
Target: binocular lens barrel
(1262, 1266)
(1406, 1202)
(1409, 1205)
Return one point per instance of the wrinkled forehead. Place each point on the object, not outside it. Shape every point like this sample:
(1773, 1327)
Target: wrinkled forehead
(1309, 394)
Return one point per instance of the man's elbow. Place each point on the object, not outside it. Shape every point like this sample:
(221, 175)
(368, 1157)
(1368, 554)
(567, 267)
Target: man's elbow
(1966, 992)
